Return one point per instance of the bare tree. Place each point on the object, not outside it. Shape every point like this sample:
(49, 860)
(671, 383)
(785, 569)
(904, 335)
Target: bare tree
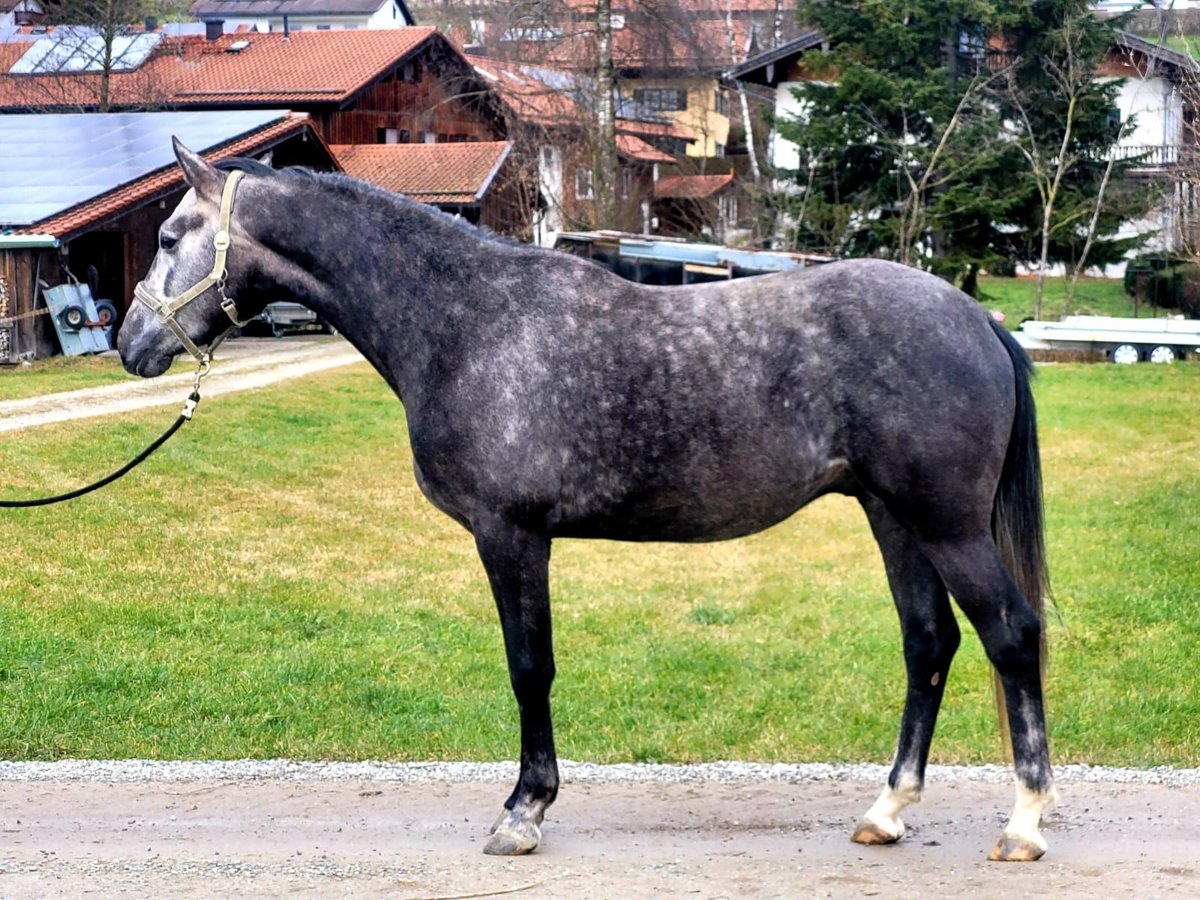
(747, 122)
(92, 42)
(605, 147)
(1072, 75)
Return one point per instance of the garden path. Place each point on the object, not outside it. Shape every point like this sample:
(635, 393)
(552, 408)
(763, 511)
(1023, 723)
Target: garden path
(240, 365)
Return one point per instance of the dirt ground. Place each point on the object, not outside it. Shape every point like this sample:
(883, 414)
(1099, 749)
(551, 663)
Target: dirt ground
(263, 838)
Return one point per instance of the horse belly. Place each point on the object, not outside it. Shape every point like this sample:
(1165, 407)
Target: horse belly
(720, 504)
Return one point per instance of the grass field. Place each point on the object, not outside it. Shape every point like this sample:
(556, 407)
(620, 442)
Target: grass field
(58, 373)
(1015, 297)
(273, 584)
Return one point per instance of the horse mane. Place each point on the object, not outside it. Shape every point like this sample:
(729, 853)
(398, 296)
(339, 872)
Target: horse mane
(342, 181)
(247, 165)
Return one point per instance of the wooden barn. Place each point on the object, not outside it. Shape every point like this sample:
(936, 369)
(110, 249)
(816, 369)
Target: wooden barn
(408, 85)
(358, 87)
(88, 193)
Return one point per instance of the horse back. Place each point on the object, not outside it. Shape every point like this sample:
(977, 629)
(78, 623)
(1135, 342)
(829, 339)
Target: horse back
(605, 408)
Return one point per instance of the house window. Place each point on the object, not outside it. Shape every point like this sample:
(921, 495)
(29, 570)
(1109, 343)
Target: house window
(410, 72)
(660, 99)
(729, 210)
(626, 183)
(404, 136)
(323, 28)
(719, 148)
(547, 156)
(1114, 119)
(387, 136)
(722, 103)
(583, 184)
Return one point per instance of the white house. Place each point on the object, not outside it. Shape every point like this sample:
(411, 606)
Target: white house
(304, 15)
(1156, 117)
(1152, 104)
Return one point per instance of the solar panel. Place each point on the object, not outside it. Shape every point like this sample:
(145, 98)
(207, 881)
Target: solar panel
(56, 161)
(76, 49)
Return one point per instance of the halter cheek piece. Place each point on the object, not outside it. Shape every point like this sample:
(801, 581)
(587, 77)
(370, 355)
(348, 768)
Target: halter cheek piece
(165, 308)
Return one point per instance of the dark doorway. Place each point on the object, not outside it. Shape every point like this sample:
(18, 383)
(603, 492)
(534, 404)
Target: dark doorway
(98, 260)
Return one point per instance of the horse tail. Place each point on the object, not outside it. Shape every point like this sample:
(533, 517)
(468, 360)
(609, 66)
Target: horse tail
(1018, 523)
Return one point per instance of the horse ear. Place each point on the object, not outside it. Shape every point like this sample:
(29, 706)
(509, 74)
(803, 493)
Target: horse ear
(196, 171)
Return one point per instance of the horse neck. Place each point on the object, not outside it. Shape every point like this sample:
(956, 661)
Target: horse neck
(394, 277)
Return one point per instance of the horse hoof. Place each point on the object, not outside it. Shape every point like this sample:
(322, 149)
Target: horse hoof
(871, 834)
(1012, 848)
(512, 836)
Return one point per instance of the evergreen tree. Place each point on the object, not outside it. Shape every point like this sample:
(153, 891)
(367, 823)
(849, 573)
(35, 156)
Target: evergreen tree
(899, 133)
(1065, 119)
(911, 140)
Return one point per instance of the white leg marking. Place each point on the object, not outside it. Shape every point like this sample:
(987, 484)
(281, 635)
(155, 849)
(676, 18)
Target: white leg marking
(884, 814)
(1027, 815)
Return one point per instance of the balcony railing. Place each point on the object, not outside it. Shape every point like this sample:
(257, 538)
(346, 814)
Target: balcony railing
(1158, 157)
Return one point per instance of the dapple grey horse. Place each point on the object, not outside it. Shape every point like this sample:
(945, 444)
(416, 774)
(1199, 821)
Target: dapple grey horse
(546, 398)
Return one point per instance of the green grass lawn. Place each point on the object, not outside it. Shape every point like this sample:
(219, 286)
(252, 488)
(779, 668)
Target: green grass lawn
(1187, 44)
(272, 584)
(1015, 297)
(59, 373)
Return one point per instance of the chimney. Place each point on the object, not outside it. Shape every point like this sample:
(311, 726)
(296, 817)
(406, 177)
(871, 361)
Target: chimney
(213, 29)
(151, 23)
(285, 27)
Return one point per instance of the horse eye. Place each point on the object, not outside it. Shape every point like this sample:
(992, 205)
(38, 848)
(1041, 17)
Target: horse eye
(167, 241)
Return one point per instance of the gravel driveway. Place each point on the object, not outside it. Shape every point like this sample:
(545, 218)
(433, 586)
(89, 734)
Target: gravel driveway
(277, 829)
(240, 365)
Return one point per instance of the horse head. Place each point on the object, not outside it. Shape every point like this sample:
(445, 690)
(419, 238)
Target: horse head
(196, 287)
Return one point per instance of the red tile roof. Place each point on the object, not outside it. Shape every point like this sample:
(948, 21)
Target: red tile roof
(632, 147)
(691, 187)
(268, 70)
(165, 180)
(657, 129)
(692, 37)
(430, 173)
(529, 98)
(305, 66)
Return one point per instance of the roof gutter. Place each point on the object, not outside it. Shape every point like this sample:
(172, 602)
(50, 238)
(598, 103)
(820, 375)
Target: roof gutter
(28, 241)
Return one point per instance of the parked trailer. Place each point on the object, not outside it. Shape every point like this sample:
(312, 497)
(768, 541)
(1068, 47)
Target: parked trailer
(1121, 340)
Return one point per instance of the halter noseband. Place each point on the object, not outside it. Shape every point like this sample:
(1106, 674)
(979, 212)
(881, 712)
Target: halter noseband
(166, 307)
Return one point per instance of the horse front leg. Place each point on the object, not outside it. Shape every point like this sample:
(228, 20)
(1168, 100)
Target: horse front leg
(518, 567)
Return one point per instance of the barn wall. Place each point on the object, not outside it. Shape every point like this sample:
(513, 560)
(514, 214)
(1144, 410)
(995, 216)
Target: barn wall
(29, 333)
(430, 94)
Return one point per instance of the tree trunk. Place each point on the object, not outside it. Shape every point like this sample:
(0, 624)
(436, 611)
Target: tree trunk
(1087, 244)
(605, 169)
(970, 282)
(745, 105)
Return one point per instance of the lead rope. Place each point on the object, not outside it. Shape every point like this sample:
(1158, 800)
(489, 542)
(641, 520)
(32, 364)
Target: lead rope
(185, 415)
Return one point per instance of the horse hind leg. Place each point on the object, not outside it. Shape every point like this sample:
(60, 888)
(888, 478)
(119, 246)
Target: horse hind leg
(931, 637)
(517, 563)
(1010, 630)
